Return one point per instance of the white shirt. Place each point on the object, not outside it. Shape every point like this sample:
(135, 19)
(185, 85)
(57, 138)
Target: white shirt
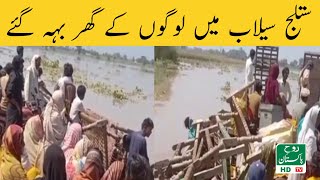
(285, 89)
(64, 80)
(249, 71)
(76, 108)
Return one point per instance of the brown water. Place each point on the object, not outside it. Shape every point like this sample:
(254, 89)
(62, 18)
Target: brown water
(125, 76)
(196, 92)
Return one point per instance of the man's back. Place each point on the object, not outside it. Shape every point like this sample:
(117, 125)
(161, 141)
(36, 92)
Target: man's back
(4, 99)
(249, 71)
(138, 144)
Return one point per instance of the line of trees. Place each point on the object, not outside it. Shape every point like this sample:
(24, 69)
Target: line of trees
(115, 56)
(166, 53)
(294, 64)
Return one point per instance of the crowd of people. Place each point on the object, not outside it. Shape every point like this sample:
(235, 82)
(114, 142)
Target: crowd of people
(307, 117)
(42, 135)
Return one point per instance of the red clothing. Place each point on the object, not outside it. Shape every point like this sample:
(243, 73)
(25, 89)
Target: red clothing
(116, 171)
(272, 85)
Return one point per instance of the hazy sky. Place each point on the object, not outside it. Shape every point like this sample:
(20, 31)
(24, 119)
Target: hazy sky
(130, 51)
(289, 52)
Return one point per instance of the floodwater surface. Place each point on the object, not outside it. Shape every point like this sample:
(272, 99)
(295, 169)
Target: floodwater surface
(128, 77)
(197, 93)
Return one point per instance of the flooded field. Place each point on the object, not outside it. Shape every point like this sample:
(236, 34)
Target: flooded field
(119, 76)
(198, 92)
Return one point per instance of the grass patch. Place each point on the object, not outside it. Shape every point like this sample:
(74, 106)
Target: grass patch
(192, 55)
(52, 72)
(165, 72)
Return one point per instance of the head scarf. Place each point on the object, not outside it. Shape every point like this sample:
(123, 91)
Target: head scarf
(93, 168)
(309, 65)
(256, 171)
(272, 85)
(33, 134)
(54, 164)
(308, 128)
(13, 141)
(32, 66)
(73, 135)
(57, 100)
(82, 147)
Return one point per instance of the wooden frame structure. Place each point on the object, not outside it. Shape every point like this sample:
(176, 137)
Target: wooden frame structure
(265, 56)
(211, 153)
(314, 77)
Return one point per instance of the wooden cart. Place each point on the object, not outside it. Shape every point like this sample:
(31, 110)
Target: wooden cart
(265, 57)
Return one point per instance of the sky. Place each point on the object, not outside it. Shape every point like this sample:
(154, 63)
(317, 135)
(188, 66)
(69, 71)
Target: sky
(129, 51)
(285, 52)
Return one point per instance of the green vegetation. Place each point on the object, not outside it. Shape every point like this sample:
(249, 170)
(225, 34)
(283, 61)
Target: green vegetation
(52, 70)
(168, 58)
(233, 56)
(115, 57)
(166, 68)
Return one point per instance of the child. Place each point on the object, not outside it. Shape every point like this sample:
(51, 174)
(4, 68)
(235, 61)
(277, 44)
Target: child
(192, 131)
(77, 105)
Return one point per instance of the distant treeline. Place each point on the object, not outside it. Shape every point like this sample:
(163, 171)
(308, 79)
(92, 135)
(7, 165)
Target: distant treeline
(166, 53)
(294, 64)
(172, 53)
(115, 56)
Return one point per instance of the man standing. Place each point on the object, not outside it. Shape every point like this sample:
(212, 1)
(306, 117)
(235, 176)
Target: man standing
(137, 140)
(31, 85)
(285, 90)
(20, 50)
(66, 78)
(3, 83)
(14, 93)
(299, 109)
(254, 105)
(250, 67)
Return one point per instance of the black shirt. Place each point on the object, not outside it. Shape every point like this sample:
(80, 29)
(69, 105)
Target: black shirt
(15, 87)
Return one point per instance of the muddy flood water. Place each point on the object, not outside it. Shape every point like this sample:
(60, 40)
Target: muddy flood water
(130, 114)
(197, 93)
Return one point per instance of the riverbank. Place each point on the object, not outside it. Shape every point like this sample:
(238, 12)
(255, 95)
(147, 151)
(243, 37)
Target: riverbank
(167, 70)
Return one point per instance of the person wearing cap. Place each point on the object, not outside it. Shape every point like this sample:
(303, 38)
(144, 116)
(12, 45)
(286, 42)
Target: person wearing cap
(304, 75)
(300, 107)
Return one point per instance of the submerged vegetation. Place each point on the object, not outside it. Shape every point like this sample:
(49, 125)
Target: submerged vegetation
(53, 71)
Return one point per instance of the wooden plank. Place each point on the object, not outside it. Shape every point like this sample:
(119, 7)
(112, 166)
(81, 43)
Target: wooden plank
(200, 148)
(209, 173)
(208, 138)
(235, 141)
(223, 154)
(213, 128)
(179, 159)
(225, 161)
(178, 150)
(180, 166)
(240, 91)
(184, 144)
